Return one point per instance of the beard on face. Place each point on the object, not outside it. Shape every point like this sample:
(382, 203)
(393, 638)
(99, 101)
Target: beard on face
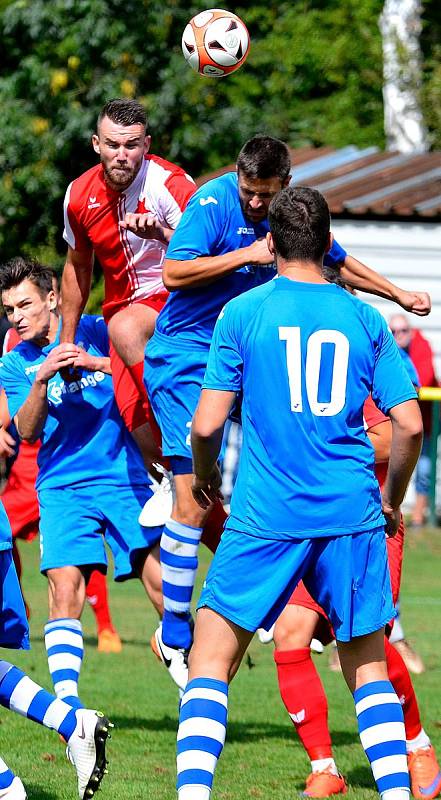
(120, 177)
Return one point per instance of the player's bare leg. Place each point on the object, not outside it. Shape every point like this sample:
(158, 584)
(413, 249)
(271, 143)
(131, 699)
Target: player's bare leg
(379, 713)
(149, 571)
(130, 329)
(304, 697)
(218, 649)
(63, 631)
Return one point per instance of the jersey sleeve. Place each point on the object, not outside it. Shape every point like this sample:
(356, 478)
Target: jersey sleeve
(15, 383)
(225, 365)
(74, 233)
(180, 187)
(391, 383)
(335, 256)
(199, 228)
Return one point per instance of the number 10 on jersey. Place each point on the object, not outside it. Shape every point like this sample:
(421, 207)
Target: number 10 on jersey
(314, 351)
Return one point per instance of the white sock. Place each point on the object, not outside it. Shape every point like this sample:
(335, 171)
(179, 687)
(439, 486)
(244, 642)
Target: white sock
(421, 741)
(320, 764)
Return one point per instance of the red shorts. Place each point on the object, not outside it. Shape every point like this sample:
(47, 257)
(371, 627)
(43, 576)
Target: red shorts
(19, 495)
(301, 596)
(156, 301)
(128, 385)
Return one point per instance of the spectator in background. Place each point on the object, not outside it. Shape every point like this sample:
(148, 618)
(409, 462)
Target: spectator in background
(420, 353)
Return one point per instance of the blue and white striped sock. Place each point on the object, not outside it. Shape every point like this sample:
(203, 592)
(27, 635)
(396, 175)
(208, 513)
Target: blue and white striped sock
(201, 736)
(64, 645)
(6, 776)
(383, 736)
(179, 563)
(21, 694)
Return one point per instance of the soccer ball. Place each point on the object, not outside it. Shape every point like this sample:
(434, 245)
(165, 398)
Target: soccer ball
(215, 43)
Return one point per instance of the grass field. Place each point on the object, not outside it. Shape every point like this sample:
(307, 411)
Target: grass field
(262, 758)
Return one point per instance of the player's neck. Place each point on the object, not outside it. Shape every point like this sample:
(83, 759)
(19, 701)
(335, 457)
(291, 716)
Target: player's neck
(49, 336)
(304, 271)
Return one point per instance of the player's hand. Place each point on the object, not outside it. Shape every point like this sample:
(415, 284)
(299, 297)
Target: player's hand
(62, 357)
(146, 226)
(259, 252)
(418, 303)
(85, 361)
(7, 443)
(207, 490)
(393, 516)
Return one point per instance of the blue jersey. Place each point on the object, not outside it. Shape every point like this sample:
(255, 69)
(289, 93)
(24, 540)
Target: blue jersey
(5, 530)
(213, 224)
(84, 439)
(306, 356)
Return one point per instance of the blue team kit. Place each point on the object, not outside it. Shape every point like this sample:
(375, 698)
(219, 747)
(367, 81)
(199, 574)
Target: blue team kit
(213, 223)
(84, 446)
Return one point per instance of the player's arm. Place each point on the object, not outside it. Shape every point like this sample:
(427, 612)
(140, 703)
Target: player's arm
(31, 416)
(407, 437)
(75, 289)
(206, 440)
(7, 442)
(365, 279)
(381, 437)
(203, 270)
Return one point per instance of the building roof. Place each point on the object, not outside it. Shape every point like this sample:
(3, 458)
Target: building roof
(368, 183)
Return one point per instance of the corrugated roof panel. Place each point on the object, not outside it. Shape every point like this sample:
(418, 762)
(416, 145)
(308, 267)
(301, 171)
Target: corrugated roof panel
(429, 205)
(326, 163)
(394, 188)
(363, 172)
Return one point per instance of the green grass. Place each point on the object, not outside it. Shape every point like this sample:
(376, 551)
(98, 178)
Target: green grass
(262, 757)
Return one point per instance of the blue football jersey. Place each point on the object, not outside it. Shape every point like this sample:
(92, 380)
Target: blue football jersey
(306, 356)
(5, 530)
(84, 439)
(213, 224)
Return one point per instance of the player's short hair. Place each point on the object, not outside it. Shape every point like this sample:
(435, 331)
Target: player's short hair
(123, 112)
(299, 222)
(21, 269)
(264, 157)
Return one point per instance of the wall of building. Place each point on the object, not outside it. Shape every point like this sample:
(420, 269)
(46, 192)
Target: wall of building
(409, 254)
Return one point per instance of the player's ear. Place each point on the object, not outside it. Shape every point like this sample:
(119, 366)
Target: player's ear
(270, 243)
(286, 182)
(147, 143)
(330, 241)
(53, 301)
(96, 143)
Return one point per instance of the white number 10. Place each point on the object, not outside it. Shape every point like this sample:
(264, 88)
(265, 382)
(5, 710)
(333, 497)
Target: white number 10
(291, 336)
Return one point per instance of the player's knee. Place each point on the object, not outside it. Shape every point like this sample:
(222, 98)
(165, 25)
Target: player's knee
(65, 594)
(292, 632)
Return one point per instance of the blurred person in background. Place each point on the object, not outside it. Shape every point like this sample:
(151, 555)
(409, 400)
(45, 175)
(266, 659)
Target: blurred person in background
(420, 352)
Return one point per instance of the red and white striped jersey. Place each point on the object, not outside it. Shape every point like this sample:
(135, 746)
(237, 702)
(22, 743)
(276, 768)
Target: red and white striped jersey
(132, 266)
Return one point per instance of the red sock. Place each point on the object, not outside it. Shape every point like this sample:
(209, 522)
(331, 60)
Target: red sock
(214, 526)
(96, 593)
(401, 681)
(304, 697)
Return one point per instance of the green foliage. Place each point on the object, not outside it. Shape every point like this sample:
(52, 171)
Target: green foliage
(314, 76)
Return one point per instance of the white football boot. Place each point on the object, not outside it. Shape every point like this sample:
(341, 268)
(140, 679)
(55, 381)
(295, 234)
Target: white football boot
(86, 750)
(158, 507)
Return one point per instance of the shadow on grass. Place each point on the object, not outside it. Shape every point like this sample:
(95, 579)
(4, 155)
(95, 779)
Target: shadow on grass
(244, 731)
(37, 792)
(361, 777)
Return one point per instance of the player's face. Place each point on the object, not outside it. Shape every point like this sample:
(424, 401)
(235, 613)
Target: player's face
(28, 311)
(401, 330)
(121, 149)
(256, 194)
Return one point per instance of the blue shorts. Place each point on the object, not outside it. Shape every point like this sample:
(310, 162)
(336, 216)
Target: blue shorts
(251, 580)
(75, 521)
(173, 377)
(14, 629)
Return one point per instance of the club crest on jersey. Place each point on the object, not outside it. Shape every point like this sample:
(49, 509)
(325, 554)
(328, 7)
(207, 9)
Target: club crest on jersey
(93, 203)
(141, 208)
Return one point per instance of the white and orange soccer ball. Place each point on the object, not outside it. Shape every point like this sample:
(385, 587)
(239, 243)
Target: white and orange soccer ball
(215, 43)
